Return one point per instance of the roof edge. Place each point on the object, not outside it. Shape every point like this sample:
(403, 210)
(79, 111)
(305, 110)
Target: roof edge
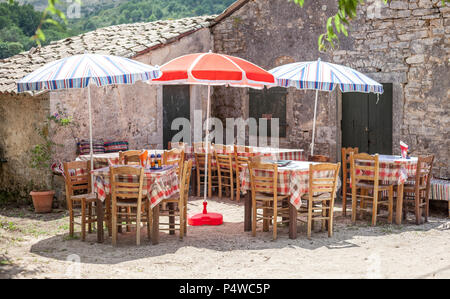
(229, 11)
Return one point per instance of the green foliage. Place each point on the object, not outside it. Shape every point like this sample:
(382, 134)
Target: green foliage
(41, 153)
(18, 23)
(338, 23)
(146, 11)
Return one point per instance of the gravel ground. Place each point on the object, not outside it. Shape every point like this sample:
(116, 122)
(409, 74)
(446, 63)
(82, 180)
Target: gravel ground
(38, 246)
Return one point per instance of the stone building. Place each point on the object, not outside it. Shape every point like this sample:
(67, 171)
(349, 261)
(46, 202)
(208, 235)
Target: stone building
(405, 45)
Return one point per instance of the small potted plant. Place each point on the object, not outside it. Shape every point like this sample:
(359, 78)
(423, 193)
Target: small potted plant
(41, 155)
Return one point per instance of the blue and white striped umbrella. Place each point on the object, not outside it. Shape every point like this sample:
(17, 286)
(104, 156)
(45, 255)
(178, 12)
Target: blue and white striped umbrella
(320, 75)
(325, 76)
(80, 70)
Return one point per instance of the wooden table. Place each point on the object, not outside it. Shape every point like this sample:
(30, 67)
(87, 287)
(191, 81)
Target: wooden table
(158, 185)
(293, 180)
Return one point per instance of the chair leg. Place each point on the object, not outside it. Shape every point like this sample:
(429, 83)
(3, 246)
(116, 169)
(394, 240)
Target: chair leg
(275, 219)
(114, 224)
(375, 208)
(147, 214)
(181, 207)
(220, 186)
(417, 207)
(71, 220)
(253, 218)
(308, 233)
(89, 217)
(354, 205)
(83, 219)
(344, 197)
(138, 224)
(266, 222)
(198, 184)
(231, 185)
(391, 204)
(330, 220)
(324, 214)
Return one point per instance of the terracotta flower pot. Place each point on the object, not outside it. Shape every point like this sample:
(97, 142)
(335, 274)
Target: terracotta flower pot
(42, 201)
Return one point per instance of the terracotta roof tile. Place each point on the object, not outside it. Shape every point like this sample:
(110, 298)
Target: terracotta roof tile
(127, 40)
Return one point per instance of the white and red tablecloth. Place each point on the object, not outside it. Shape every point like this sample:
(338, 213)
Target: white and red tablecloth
(158, 184)
(394, 169)
(293, 180)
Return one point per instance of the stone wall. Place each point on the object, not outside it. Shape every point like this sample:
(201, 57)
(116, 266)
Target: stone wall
(20, 116)
(405, 43)
(273, 33)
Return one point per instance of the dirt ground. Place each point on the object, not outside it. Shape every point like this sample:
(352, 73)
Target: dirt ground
(38, 246)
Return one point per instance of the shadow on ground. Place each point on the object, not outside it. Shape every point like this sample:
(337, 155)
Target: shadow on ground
(227, 237)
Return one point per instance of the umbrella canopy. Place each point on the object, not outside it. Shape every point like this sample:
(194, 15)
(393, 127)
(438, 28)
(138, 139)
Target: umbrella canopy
(321, 75)
(80, 70)
(325, 76)
(213, 69)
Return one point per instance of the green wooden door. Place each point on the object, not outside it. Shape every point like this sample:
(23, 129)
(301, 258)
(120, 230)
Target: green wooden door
(268, 104)
(366, 124)
(176, 104)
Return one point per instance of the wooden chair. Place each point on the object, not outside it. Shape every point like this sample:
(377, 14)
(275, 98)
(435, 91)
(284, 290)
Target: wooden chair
(174, 157)
(78, 193)
(177, 145)
(346, 176)
(320, 197)
(180, 201)
(417, 194)
(213, 179)
(365, 178)
(265, 196)
(224, 164)
(130, 157)
(127, 204)
(241, 161)
(318, 158)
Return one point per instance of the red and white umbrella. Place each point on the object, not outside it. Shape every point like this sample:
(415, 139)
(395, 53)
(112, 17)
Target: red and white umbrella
(213, 69)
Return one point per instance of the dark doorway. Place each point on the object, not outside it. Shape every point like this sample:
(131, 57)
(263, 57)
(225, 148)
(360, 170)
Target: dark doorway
(176, 104)
(366, 124)
(269, 103)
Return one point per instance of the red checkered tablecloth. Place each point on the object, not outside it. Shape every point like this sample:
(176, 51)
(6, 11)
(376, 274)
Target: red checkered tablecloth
(293, 180)
(158, 184)
(394, 169)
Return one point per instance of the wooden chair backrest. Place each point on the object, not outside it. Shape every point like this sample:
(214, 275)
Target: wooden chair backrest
(173, 156)
(200, 160)
(424, 169)
(326, 182)
(223, 149)
(242, 149)
(366, 166)
(267, 184)
(120, 185)
(224, 160)
(130, 157)
(78, 177)
(177, 145)
(201, 147)
(346, 151)
(185, 180)
(319, 158)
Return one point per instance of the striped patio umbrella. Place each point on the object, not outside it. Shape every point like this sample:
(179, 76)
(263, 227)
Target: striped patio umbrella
(320, 75)
(213, 69)
(81, 71)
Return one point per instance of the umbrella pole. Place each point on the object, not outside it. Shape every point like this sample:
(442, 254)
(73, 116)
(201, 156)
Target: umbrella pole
(206, 141)
(314, 123)
(90, 135)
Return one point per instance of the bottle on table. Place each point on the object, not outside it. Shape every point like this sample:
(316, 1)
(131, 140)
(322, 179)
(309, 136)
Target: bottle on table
(158, 160)
(152, 161)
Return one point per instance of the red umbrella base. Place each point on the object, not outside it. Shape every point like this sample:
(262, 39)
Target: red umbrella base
(205, 218)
